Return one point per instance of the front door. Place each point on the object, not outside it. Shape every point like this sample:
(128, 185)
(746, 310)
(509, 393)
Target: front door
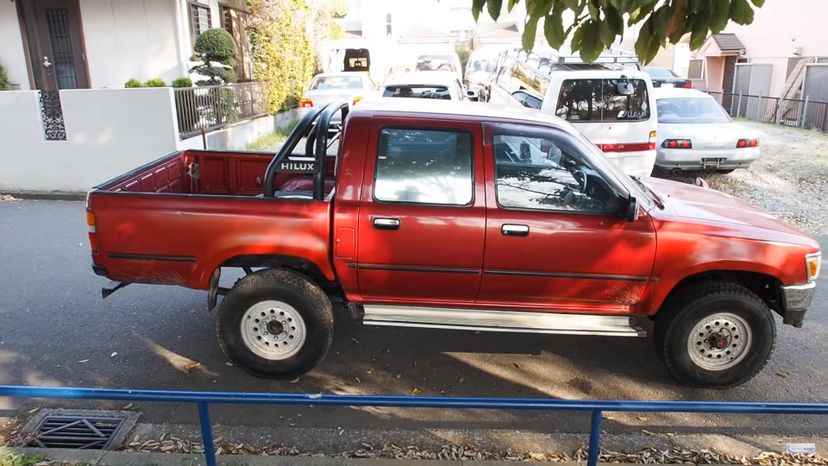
(422, 219)
(554, 237)
(55, 44)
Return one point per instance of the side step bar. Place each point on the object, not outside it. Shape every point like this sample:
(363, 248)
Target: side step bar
(500, 321)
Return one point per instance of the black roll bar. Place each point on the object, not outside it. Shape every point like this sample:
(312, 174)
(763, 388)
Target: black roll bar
(287, 148)
(322, 145)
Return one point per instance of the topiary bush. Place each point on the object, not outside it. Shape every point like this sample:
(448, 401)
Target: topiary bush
(133, 83)
(4, 79)
(216, 51)
(182, 82)
(155, 82)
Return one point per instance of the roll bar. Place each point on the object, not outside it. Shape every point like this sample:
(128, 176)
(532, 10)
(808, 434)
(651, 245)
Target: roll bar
(314, 125)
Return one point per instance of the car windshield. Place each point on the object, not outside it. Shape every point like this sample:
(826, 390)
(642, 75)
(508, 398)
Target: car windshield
(323, 83)
(420, 91)
(482, 65)
(435, 63)
(660, 72)
(691, 110)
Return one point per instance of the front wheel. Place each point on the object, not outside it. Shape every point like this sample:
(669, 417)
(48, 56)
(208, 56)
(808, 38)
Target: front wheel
(275, 324)
(715, 335)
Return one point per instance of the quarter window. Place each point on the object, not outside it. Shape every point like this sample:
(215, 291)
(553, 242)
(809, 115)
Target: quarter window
(424, 166)
(542, 173)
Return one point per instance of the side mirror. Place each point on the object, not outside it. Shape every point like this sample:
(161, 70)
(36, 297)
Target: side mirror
(631, 211)
(625, 88)
(472, 95)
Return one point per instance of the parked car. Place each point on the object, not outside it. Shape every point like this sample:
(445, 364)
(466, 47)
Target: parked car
(325, 88)
(695, 133)
(665, 77)
(612, 105)
(455, 216)
(480, 67)
(439, 60)
(424, 85)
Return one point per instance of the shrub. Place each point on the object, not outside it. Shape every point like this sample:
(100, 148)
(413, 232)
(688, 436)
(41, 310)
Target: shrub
(216, 50)
(4, 79)
(182, 82)
(133, 83)
(155, 82)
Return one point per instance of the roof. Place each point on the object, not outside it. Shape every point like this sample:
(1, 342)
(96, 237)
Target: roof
(430, 78)
(677, 93)
(728, 42)
(478, 111)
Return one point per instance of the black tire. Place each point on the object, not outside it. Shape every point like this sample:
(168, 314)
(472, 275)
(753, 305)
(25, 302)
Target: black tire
(689, 307)
(726, 171)
(293, 289)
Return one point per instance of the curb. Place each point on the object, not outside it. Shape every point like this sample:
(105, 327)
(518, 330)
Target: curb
(122, 458)
(46, 195)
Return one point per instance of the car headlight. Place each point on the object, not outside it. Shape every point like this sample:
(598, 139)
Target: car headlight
(813, 262)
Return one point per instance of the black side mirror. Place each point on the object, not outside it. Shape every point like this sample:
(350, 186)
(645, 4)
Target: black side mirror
(631, 211)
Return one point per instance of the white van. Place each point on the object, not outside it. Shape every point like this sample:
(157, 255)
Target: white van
(612, 104)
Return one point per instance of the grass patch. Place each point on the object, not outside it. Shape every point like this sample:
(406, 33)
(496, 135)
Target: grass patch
(14, 459)
(270, 141)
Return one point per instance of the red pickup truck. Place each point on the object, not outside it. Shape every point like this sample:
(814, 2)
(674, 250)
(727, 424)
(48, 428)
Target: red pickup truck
(455, 216)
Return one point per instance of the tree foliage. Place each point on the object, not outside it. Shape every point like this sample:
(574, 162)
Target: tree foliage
(596, 24)
(216, 50)
(4, 79)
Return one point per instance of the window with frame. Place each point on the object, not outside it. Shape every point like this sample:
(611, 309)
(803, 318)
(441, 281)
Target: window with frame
(424, 166)
(591, 100)
(200, 20)
(539, 172)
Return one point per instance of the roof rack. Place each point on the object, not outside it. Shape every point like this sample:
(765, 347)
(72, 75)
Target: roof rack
(555, 60)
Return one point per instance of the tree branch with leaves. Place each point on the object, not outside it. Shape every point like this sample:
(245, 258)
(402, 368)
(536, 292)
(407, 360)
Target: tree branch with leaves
(597, 24)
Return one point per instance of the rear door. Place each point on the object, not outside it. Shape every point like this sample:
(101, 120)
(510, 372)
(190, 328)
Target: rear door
(628, 119)
(554, 236)
(422, 217)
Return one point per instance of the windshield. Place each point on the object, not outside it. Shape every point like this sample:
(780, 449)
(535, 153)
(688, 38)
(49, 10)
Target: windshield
(435, 63)
(420, 91)
(482, 65)
(691, 110)
(592, 100)
(660, 72)
(323, 83)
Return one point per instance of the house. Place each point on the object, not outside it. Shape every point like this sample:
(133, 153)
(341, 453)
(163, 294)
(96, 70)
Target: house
(95, 44)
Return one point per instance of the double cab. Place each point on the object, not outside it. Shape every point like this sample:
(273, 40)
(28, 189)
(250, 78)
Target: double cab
(459, 216)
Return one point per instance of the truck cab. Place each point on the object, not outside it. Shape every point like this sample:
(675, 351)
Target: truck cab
(459, 216)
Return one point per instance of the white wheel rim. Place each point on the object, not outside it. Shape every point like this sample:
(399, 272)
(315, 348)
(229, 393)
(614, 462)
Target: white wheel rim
(273, 330)
(720, 341)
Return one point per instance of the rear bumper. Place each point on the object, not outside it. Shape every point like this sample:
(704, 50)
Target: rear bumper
(795, 302)
(691, 159)
(638, 164)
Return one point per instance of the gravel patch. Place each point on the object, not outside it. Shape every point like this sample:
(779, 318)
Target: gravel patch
(790, 179)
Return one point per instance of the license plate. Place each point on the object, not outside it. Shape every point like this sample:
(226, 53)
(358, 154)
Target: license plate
(713, 161)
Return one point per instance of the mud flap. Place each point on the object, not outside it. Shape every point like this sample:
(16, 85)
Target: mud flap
(212, 293)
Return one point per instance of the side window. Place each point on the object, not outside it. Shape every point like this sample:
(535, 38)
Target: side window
(579, 100)
(527, 100)
(544, 173)
(633, 107)
(424, 166)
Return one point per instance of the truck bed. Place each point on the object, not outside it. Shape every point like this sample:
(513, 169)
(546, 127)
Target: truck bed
(175, 220)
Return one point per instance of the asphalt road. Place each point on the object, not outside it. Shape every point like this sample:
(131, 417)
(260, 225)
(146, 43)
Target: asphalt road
(55, 330)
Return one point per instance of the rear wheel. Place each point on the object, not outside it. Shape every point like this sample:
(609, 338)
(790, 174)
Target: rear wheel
(275, 324)
(715, 335)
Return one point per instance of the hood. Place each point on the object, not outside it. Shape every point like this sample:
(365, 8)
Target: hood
(685, 202)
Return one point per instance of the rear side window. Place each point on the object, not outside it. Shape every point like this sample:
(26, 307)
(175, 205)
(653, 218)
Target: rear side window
(591, 100)
(424, 166)
(417, 91)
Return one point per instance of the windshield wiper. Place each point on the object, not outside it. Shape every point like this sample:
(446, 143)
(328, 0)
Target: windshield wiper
(649, 192)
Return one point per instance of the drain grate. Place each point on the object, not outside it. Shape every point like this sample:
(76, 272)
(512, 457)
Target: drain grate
(77, 432)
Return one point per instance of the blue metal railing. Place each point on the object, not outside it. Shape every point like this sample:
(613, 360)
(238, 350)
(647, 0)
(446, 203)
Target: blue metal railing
(595, 407)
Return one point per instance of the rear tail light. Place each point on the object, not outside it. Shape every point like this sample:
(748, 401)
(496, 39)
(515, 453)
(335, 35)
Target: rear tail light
(747, 143)
(677, 144)
(90, 222)
(651, 141)
(305, 102)
(687, 84)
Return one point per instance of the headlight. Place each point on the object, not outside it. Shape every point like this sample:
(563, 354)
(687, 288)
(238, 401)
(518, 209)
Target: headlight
(813, 262)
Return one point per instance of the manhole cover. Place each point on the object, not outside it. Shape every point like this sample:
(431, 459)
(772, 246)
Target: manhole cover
(80, 429)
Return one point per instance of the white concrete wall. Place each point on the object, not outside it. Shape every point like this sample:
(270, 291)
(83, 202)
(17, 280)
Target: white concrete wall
(131, 39)
(239, 135)
(108, 132)
(12, 56)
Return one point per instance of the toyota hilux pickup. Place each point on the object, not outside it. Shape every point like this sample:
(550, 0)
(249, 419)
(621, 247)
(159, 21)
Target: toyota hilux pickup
(457, 216)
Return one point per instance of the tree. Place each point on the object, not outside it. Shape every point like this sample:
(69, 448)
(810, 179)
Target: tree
(597, 23)
(216, 51)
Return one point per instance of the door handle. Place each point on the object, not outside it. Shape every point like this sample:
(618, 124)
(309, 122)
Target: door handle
(381, 223)
(46, 62)
(509, 229)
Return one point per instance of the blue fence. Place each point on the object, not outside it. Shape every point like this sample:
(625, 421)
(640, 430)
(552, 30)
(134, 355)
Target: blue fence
(595, 407)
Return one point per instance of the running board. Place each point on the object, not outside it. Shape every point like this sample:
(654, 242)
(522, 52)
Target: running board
(500, 321)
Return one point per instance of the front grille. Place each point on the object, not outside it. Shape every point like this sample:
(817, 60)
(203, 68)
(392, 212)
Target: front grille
(77, 432)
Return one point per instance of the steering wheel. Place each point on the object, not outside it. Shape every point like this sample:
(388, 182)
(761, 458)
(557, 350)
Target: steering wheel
(582, 178)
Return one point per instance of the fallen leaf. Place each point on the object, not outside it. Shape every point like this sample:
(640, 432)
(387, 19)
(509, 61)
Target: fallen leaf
(114, 353)
(229, 363)
(193, 365)
(34, 410)
(128, 406)
(354, 340)
(398, 376)
(782, 374)
(83, 361)
(647, 432)
(357, 380)
(295, 380)
(642, 418)
(415, 390)
(516, 365)
(670, 434)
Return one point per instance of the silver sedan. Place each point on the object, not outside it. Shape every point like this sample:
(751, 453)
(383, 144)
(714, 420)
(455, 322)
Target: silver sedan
(695, 133)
